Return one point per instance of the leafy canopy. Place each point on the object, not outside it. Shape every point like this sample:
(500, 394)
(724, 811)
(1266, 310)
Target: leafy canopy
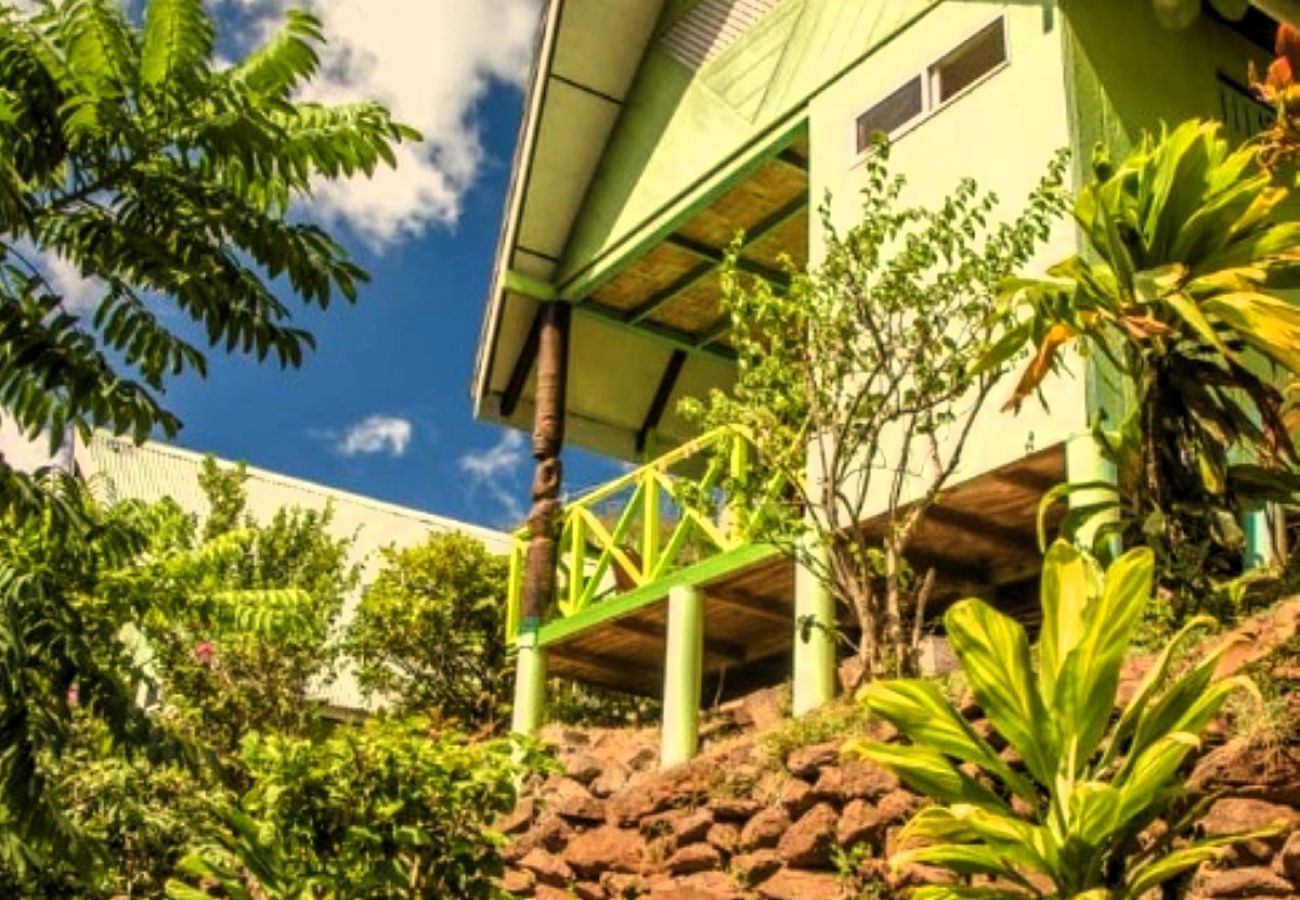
(128, 152)
(1091, 785)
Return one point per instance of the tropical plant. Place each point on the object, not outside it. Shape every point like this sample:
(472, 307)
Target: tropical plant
(429, 631)
(138, 159)
(858, 385)
(1179, 295)
(386, 809)
(1076, 818)
(242, 617)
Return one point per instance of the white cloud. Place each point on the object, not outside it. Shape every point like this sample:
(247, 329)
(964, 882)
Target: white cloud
(79, 293)
(376, 434)
(495, 470)
(431, 62)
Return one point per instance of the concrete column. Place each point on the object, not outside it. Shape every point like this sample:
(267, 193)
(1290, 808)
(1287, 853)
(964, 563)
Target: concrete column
(1260, 552)
(530, 682)
(1084, 462)
(683, 666)
(814, 647)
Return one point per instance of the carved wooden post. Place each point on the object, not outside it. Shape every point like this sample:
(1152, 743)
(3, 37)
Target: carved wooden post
(544, 516)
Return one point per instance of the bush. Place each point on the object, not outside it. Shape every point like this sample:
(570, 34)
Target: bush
(385, 809)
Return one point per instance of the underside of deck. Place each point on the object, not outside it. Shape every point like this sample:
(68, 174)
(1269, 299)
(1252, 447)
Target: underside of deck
(980, 540)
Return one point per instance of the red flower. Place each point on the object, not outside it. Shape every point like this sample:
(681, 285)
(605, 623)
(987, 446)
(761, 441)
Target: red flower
(203, 652)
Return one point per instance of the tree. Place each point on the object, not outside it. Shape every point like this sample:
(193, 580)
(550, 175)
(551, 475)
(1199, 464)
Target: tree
(862, 373)
(1178, 295)
(242, 620)
(429, 631)
(386, 809)
(1077, 813)
(130, 153)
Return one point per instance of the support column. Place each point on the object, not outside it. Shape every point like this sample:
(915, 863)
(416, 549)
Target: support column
(683, 665)
(544, 516)
(1260, 552)
(814, 638)
(1085, 462)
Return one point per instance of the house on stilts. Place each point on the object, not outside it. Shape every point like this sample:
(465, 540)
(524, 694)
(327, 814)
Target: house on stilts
(654, 132)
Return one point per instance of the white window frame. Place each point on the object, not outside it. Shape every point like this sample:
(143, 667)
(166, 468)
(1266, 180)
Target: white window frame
(929, 76)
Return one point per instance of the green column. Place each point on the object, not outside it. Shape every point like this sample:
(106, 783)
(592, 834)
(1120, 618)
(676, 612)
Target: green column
(814, 639)
(530, 682)
(1084, 462)
(683, 663)
(1258, 526)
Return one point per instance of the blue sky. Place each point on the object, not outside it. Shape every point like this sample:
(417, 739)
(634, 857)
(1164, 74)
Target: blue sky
(382, 407)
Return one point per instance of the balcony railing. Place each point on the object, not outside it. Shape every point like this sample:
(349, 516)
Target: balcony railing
(648, 524)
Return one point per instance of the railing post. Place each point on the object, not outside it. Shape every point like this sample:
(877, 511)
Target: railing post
(683, 663)
(738, 468)
(814, 634)
(1257, 523)
(544, 516)
(1085, 462)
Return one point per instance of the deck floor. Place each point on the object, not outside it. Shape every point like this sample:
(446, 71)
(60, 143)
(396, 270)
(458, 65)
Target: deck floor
(980, 540)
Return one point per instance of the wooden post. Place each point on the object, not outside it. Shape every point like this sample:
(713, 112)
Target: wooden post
(683, 664)
(544, 517)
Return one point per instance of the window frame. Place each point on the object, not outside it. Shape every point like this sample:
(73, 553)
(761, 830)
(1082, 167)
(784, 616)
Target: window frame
(929, 77)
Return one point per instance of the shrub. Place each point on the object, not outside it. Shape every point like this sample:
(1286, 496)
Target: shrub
(1075, 811)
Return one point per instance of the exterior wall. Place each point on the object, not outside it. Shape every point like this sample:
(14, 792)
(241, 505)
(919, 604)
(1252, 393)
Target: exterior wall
(683, 128)
(1003, 132)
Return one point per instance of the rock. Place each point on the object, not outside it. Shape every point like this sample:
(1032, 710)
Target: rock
(764, 829)
(550, 833)
(610, 781)
(724, 835)
(806, 762)
(700, 886)
(518, 819)
(624, 884)
(605, 849)
(587, 890)
(914, 875)
(1251, 881)
(582, 767)
(898, 806)
(797, 798)
(1235, 814)
(808, 842)
(792, 884)
(574, 802)
(860, 823)
(734, 809)
(754, 867)
(693, 827)
(518, 881)
(1254, 772)
(548, 869)
(694, 858)
(547, 892)
(681, 786)
(1288, 861)
(855, 780)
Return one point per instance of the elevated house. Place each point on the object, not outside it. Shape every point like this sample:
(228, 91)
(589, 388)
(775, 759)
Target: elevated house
(654, 132)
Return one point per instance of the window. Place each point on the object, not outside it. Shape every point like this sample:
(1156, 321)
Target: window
(891, 114)
(941, 82)
(970, 62)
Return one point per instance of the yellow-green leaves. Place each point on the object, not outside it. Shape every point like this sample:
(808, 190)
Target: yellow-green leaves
(177, 41)
(1089, 787)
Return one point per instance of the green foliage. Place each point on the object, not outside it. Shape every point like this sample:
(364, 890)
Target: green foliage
(864, 371)
(1077, 812)
(1179, 297)
(242, 621)
(429, 631)
(386, 809)
(130, 154)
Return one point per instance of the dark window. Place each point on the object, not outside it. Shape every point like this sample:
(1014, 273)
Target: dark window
(970, 62)
(890, 114)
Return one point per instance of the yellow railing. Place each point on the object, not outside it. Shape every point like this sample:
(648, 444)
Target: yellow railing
(647, 524)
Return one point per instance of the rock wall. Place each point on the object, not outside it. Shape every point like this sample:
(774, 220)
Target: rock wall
(747, 820)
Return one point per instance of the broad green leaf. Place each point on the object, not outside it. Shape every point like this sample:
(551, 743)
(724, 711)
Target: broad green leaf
(994, 653)
(919, 710)
(967, 892)
(928, 772)
(1070, 581)
(1184, 859)
(1151, 773)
